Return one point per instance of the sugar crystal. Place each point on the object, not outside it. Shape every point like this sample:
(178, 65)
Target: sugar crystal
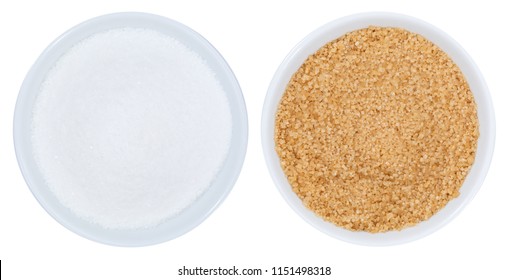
(130, 127)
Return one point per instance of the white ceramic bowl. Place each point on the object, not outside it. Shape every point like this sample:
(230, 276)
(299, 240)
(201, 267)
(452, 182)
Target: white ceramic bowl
(333, 30)
(204, 205)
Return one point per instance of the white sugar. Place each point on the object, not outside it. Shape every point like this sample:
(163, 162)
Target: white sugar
(130, 127)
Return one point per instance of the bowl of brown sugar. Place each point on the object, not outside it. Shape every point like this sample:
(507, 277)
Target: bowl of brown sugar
(378, 129)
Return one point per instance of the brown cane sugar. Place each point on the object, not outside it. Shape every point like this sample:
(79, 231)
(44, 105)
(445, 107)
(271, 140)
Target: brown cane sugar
(377, 130)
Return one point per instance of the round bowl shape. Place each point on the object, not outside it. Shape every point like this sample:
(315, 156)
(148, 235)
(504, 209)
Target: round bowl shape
(336, 29)
(199, 210)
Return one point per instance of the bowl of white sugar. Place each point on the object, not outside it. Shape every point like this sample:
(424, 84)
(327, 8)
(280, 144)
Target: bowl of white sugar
(130, 129)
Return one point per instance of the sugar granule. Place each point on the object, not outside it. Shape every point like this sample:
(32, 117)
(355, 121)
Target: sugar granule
(130, 127)
(377, 130)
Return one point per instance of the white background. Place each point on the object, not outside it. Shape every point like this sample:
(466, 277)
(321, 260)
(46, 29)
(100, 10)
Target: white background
(254, 227)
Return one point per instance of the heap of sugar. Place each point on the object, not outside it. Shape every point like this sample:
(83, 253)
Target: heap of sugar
(377, 130)
(130, 127)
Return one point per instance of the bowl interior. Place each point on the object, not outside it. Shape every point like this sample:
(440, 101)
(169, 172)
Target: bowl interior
(334, 30)
(197, 211)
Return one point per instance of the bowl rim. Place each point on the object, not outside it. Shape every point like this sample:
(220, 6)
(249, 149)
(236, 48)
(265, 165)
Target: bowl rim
(205, 204)
(334, 29)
